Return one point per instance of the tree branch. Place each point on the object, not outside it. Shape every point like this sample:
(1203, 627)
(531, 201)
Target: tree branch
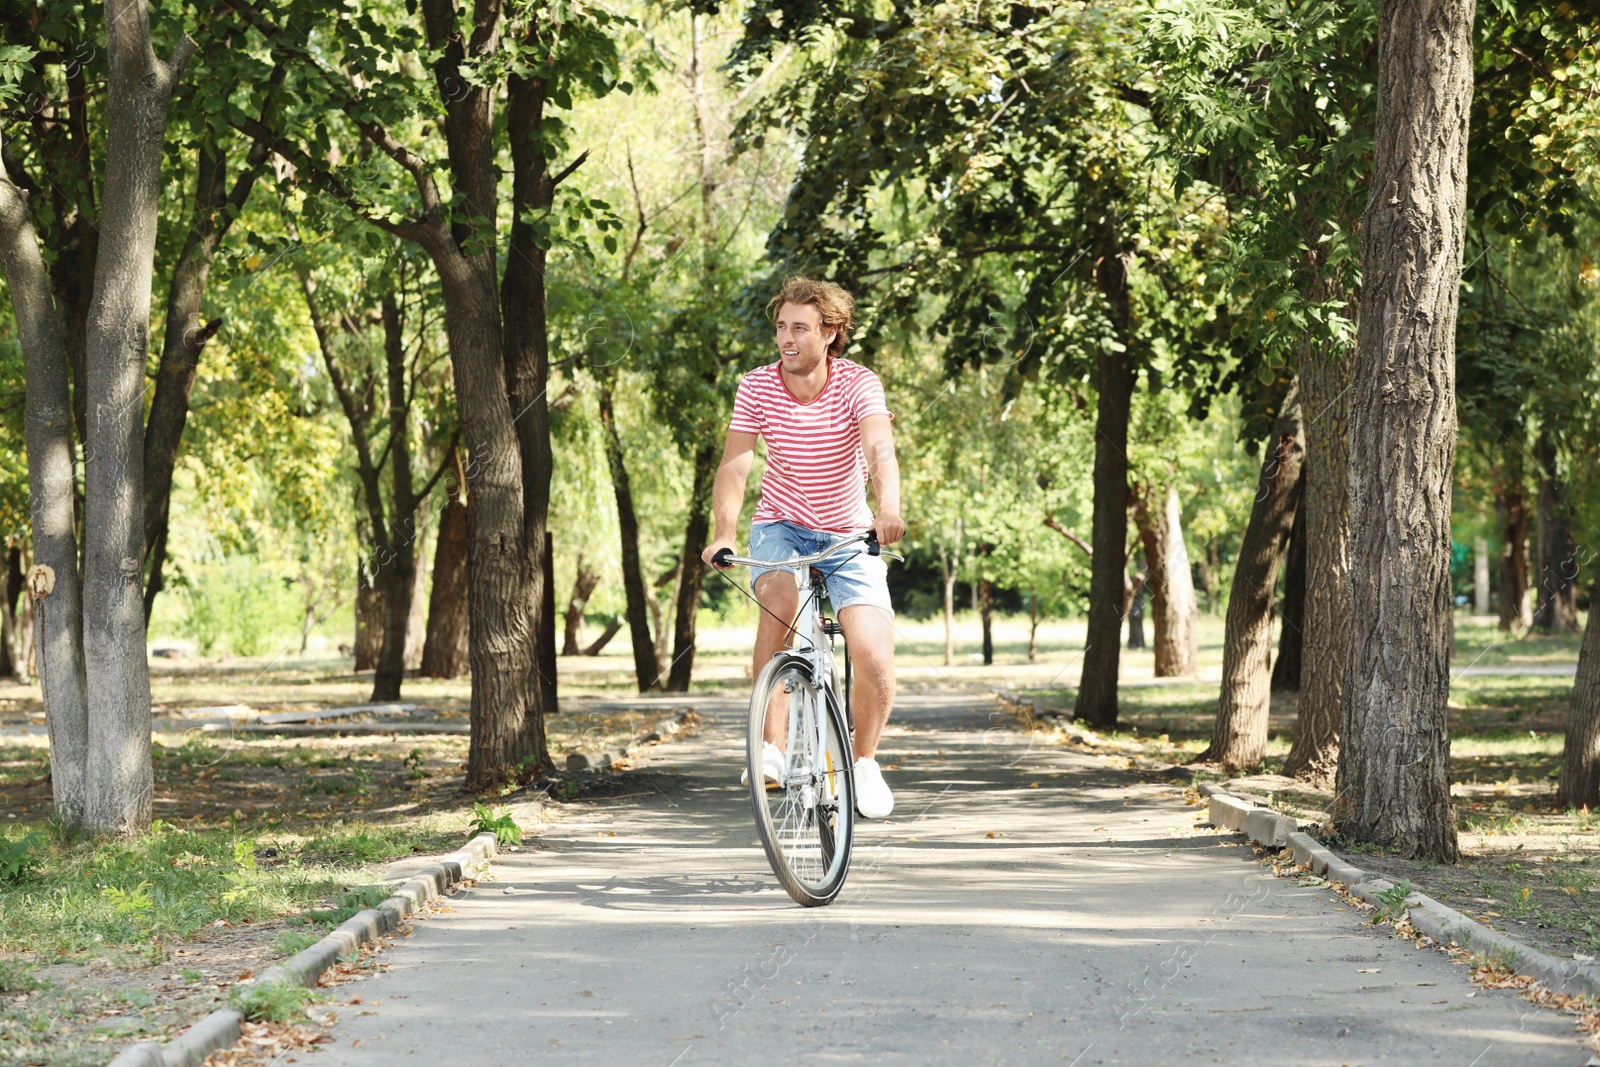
(1088, 549)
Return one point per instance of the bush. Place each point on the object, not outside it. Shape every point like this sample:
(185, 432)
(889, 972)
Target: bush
(240, 605)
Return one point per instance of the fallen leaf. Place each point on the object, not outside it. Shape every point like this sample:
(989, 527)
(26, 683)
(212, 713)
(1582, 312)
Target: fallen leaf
(1367, 970)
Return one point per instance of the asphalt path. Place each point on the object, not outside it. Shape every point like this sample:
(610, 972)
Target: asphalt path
(1025, 904)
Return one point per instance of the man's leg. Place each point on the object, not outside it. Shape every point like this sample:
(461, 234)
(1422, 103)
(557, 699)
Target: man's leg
(869, 633)
(776, 593)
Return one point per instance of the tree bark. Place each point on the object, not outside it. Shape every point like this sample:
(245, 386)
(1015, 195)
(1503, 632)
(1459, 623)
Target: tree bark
(1394, 770)
(1580, 753)
(947, 573)
(644, 654)
(9, 657)
(53, 585)
(1480, 575)
(417, 621)
(1291, 629)
(986, 613)
(1557, 610)
(613, 628)
(583, 587)
(1135, 612)
(1516, 606)
(1325, 384)
(691, 568)
(370, 616)
(444, 652)
(1102, 655)
(1174, 611)
(138, 88)
(1239, 739)
(397, 573)
(1033, 625)
(547, 629)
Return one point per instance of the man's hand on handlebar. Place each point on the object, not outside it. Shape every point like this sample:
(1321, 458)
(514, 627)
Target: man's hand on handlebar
(719, 545)
(889, 527)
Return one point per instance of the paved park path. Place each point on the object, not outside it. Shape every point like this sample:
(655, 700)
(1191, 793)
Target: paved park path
(1094, 927)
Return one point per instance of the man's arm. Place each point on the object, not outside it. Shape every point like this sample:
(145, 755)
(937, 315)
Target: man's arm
(727, 495)
(877, 444)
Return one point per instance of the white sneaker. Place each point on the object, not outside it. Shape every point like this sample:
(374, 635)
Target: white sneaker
(873, 799)
(771, 765)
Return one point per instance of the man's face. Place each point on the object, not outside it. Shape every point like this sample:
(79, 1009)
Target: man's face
(802, 339)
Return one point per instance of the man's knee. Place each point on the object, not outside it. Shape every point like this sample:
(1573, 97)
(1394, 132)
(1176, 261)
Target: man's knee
(775, 592)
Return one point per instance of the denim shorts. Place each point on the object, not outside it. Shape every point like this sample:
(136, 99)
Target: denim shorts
(853, 576)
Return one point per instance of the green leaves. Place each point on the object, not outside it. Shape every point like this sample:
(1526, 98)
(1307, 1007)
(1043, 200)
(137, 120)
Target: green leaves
(14, 63)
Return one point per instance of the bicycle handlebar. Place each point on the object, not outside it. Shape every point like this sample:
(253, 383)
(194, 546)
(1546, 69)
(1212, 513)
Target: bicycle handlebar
(724, 557)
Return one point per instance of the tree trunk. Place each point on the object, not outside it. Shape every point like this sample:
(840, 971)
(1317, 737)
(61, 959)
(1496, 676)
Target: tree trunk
(986, 613)
(1239, 739)
(691, 568)
(644, 654)
(1580, 754)
(613, 628)
(1516, 607)
(1033, 625)
(54, 590)
(1173, 609)
(547, 629)
(1102, 654)
(502, 586)
(1135, 610)
(1557, 610)
(369, 616)
(1480, 575)
(11, 663)
(948, 573)
(1394, 771)
(663, 617)
(1325, 645)
(1291, 628)
(184, 335)
(444, 652)
(397, 571)
(139, 86)
(417, 621)
(582, 589)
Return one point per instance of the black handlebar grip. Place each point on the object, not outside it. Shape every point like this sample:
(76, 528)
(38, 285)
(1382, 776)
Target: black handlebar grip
(872, 543)
(721, 557)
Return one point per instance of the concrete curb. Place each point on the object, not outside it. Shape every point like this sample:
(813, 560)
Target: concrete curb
(1445, 925)
(221, 1029)
(599, 761)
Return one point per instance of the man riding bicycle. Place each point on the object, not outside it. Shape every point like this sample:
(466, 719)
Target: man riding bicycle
(827, 430)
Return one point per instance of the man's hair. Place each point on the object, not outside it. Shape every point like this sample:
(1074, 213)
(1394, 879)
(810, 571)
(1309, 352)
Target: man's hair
(836, 306)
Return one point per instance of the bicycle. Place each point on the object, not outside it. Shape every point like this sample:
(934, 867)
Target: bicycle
(806, 820)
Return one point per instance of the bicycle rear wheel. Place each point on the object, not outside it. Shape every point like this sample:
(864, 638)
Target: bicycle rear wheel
(807, 820)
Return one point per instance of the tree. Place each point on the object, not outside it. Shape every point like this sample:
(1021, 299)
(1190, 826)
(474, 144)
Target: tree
(1393, 779)
(445, 652)
(1579, 785)
(377, 391)
(495, 320)
(1239, 739)
(105, 780)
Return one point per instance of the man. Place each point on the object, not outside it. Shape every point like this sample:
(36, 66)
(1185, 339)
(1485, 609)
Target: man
(827, 430)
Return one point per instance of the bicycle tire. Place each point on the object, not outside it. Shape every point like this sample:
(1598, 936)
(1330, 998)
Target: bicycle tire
(807, 822)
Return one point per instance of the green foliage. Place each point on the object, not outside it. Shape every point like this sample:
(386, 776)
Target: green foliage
(351, 903)
(496, 821)
(291, 942)
(1393, 900)
(273, 1002)
(232, 605)
(19, 857)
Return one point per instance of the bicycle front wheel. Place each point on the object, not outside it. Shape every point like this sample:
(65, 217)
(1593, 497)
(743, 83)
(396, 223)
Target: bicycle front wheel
(807, 819)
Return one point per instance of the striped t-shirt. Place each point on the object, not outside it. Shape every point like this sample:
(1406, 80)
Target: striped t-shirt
(816, 473)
